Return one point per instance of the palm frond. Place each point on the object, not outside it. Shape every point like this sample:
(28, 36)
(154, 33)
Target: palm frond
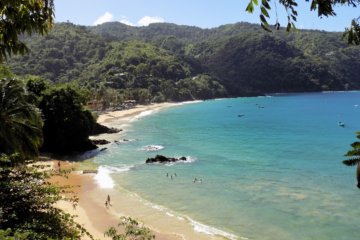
(352, 153)
(351, 162)
(20, 122)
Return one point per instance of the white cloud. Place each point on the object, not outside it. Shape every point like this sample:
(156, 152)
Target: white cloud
(145, 21)
(127, 22)
(107, 17)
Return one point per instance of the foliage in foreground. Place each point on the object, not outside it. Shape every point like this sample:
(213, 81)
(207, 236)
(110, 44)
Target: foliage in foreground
(133, 231)
(19, 17)
(20, 122)
(354, 158)
(323, 8)
(354, 153)
(27, 201)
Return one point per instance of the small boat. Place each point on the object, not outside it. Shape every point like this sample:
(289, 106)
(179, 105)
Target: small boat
(341, 124)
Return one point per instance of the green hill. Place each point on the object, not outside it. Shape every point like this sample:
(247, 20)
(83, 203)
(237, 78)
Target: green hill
(170, 62)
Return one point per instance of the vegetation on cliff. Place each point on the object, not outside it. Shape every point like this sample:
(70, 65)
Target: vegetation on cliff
(167, 62)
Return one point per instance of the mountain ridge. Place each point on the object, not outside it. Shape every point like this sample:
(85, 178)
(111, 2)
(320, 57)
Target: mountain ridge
(169, 62)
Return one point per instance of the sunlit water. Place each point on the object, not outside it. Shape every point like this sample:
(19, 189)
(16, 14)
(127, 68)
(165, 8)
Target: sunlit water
(270, 166)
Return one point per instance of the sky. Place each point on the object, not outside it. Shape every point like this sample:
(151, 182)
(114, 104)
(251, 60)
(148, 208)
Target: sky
(201, 13)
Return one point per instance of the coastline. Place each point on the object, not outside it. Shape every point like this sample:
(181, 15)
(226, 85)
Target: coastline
(92, 213)
(127, 114)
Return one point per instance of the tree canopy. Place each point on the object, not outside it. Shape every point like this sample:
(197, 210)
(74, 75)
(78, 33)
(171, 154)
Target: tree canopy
(167, 62)
(67, 124)
(19, 17)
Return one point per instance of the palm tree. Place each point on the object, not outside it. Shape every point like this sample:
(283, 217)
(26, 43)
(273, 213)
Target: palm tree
(20, 122)
(354, 159)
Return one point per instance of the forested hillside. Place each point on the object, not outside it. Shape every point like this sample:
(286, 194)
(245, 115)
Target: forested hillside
(165, 62)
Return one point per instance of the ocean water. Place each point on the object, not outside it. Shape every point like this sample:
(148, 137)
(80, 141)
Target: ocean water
(267, 167)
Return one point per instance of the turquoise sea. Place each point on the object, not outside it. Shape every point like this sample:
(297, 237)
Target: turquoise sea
(270, 167)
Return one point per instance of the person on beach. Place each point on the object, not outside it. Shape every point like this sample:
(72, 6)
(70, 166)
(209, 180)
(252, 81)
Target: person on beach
(167, 174)
(108, 200)
(59, 164)
(106, 204)
(195, 180)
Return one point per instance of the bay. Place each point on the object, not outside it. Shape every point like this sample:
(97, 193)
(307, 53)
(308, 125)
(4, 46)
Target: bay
(266, 167)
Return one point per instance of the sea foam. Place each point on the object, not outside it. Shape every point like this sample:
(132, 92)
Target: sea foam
(103, 178)
(152, 148)
(199, 227)
(189, 159)
(143, 114)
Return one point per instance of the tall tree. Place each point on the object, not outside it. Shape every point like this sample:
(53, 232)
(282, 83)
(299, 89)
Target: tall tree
(19, 17)
(20, 122)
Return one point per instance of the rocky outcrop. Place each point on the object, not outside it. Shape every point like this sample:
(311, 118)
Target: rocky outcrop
(99, 141)
(100, 129)
(163, 159)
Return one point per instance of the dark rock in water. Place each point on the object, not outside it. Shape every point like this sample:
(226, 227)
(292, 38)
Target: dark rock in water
(163, 159)
(100, 141)
(100, 129)
(103, 149)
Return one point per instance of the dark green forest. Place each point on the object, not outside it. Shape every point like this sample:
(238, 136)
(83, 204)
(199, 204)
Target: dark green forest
(168, 62)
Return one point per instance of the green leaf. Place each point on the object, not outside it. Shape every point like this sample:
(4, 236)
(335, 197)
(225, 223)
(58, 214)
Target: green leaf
(266, 4)
(313, 5)
(288, 27)
(250, 7)
(265, 27)
(263, 20)
(264, 12)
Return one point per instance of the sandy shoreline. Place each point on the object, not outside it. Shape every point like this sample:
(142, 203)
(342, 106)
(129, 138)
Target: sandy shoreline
(130, 113)
(91, 211)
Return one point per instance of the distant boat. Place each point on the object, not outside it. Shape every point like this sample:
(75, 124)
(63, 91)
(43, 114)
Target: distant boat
(341, 124)
(241, 115)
